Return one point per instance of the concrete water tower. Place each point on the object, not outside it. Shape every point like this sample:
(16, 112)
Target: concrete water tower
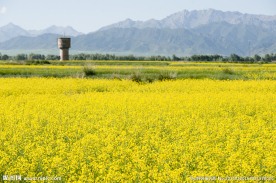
(64, 43)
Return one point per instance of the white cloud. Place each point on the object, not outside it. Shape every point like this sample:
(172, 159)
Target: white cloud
(3, 9)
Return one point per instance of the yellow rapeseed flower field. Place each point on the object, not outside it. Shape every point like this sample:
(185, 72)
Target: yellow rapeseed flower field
(119, 131)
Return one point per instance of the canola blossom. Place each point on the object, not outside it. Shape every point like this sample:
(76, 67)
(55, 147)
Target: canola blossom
(100, 130)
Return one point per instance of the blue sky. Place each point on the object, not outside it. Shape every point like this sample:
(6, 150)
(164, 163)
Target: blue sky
(90, 15)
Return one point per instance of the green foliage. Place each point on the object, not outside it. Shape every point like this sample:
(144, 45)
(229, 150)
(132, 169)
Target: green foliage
(149, 79)
(167, 76)
(21, 57)
(52, 57)
(228, 71)
(89, 70)
(116, 76)
(148, 72)
(235, 58)
(37, 62)
(111, 57)
(257, 58)
(175, 58)
(136, 77)
(206, 58)
(4, 57)
(33, 56)
(107, 57)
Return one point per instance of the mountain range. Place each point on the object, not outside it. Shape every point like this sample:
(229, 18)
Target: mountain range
(183, 33)
(11, 30)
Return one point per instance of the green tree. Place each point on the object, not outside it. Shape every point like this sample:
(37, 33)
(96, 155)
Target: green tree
(235, 58)
(20, 57)
(257, 58)
(175, 58)
(5, 57)
(267, 58)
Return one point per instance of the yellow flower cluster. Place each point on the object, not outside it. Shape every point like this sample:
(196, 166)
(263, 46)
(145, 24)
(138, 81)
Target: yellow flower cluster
(119, 131)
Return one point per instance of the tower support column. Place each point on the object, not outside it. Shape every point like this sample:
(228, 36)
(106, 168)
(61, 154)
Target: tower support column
(64, 54)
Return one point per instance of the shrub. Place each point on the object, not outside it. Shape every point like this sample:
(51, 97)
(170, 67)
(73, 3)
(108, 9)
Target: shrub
(136, 77)
(37, 62)
(167, 76)
(149, 79)
(89, 70)
(228, 71)
(116, 76)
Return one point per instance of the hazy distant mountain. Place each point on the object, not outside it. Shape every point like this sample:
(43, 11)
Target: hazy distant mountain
(45, 41)
(11, 31)
(214, 38)
(67, 31)
(183, 33)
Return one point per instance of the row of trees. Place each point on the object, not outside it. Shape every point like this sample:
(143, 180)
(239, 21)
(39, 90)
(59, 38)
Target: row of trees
(22, 57)
(97, 56)
(231, 58)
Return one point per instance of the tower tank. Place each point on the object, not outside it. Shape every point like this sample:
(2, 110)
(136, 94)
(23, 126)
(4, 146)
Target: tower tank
(64, 43)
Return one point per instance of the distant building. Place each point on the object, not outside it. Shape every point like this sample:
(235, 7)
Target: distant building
(64, 43)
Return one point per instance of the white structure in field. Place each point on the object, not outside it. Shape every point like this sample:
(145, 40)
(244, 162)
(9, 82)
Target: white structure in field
(64, 43)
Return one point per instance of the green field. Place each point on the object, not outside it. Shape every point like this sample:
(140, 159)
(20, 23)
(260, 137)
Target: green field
(140, 70)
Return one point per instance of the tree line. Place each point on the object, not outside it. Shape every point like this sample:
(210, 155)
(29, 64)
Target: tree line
(97, 56)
